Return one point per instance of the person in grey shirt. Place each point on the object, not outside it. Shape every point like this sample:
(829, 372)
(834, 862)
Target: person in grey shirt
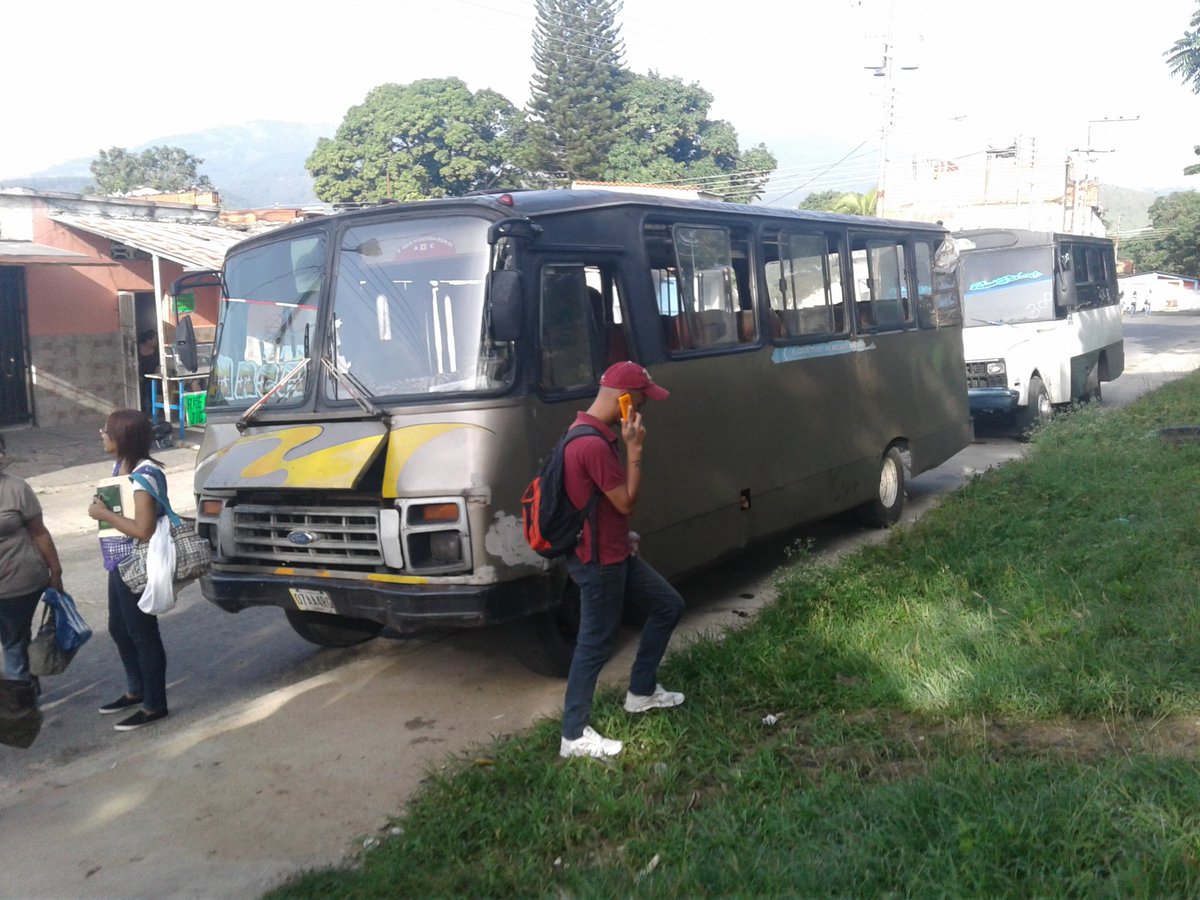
(28, 565)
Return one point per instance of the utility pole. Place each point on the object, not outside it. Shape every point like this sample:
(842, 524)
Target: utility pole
(886, 71)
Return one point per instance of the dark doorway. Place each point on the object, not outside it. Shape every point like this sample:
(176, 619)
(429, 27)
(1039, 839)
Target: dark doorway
(15, 407)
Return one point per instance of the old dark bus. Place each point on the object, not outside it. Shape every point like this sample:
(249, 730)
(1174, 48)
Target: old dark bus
(386, 381)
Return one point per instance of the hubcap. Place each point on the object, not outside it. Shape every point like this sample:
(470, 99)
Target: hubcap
(889, 483)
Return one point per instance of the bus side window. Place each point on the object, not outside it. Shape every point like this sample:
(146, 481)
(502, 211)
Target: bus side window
(804, 284)
(569, 346)
(701, 279)
(881, 284)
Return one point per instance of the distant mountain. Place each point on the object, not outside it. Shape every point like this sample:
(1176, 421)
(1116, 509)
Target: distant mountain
(253, 165)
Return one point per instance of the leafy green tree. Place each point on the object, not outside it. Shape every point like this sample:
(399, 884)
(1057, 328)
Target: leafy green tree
(821, 201)
(431, 138)
(1175, 244)
(1183, 59)
(165, 169)
(574, 105)
(667, 138)
(856, 204)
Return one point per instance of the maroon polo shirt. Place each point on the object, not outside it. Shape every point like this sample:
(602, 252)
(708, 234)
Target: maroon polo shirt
(592, 463)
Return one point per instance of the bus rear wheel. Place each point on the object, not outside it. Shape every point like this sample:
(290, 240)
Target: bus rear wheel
(884, 511)
(325, 630)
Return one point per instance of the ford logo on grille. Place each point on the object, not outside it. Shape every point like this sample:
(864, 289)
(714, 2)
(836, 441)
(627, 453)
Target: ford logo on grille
(302, 538)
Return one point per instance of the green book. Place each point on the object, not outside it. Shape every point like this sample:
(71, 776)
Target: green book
(117, 494)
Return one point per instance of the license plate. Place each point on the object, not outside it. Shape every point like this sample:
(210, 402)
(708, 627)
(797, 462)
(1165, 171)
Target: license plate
(312, 601)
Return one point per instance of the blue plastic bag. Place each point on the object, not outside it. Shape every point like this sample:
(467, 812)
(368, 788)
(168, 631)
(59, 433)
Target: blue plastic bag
(70, 630)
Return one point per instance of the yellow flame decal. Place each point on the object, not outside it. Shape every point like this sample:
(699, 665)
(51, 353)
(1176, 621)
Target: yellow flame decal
(337, 466)
(404, 442)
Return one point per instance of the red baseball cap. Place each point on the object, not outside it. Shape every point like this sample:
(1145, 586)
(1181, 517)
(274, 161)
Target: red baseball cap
(629, 376)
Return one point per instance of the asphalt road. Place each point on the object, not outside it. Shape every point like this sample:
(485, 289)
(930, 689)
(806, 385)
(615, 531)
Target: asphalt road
(279, 755)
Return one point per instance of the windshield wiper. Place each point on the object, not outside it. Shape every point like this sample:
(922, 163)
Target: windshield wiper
(250, 413)
(993, 322)
(354, 388)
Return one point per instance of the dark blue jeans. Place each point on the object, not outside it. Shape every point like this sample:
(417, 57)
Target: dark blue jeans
(16, 623)
(603, 592)
(136, 635)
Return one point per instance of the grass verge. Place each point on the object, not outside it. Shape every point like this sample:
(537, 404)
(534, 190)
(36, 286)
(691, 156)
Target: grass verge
(1000, 700)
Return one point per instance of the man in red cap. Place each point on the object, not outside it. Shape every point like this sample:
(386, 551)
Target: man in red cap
(606, 566)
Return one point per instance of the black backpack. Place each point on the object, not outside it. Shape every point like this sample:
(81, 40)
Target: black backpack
(551, 522)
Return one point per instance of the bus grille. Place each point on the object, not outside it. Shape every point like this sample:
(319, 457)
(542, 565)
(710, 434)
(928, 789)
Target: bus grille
(977, 377)
(316, 536)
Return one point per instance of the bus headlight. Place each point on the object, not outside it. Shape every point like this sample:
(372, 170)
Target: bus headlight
(996, 367)
(436, 535)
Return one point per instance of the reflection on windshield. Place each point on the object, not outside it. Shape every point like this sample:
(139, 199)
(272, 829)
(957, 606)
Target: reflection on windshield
(267, 323)
(408, 310)
(1006, 287)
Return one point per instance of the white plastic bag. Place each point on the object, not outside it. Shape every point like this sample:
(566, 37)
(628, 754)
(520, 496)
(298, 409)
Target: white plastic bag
(158, 596)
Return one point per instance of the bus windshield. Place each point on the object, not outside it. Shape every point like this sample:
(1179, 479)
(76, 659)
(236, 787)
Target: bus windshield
(1008, 286)
(404, 316)
(267, 323)
(408, 311)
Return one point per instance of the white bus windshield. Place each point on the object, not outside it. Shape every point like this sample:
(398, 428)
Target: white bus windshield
(408, 311)
(1008, 286)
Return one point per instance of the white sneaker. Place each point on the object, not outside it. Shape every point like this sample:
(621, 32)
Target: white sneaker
(660, 699)
(589, 744)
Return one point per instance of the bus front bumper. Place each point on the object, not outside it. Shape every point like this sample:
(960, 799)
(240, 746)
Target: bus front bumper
(402, 608)
(984, 400)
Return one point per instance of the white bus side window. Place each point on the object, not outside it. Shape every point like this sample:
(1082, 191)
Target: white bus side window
(804, 285)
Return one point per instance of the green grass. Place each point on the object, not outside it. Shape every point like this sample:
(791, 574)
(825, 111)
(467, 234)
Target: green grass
(999, 701)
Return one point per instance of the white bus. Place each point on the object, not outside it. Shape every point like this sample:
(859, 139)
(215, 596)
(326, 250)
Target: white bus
(1042, 321)
(386, 381)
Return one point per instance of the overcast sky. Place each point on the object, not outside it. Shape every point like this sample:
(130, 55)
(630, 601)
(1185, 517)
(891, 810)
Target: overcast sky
(793, 74)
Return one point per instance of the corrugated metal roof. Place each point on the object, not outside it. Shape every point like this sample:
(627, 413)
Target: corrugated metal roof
(192, 245)
(27, 253)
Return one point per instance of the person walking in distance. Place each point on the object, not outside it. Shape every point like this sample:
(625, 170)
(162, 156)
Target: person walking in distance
(606, 566)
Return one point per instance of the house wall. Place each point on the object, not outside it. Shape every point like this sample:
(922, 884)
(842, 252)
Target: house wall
(76, 346)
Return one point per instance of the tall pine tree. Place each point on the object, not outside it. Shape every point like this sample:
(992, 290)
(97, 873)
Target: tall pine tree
(574, 108)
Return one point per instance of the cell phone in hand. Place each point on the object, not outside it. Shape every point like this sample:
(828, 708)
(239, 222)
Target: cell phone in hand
(626, 401)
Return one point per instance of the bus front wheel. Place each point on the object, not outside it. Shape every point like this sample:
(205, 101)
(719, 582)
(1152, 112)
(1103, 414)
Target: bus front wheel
(548, 639)
(884, 511)
(325, 630)
(1038, 411)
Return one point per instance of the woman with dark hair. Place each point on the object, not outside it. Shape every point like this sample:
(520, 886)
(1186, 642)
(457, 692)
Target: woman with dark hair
(127, 435)
(28, 565)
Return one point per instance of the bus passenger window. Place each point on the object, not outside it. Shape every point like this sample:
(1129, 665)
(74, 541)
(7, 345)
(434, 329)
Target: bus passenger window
(881, 284)
(701, 278)
(582, 325)
(804, 284)
(569, 351)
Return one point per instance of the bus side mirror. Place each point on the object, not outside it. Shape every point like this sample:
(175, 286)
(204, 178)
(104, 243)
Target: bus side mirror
(185, 345)
(504, 299)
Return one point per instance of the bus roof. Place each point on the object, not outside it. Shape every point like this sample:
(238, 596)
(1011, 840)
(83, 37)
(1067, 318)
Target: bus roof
(1016, 238)
(541, 203)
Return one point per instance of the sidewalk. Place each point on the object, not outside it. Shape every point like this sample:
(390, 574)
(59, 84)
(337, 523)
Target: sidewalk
(63, 463)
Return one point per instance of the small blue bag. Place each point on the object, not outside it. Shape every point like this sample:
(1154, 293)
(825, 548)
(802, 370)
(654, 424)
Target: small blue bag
(70, 630)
